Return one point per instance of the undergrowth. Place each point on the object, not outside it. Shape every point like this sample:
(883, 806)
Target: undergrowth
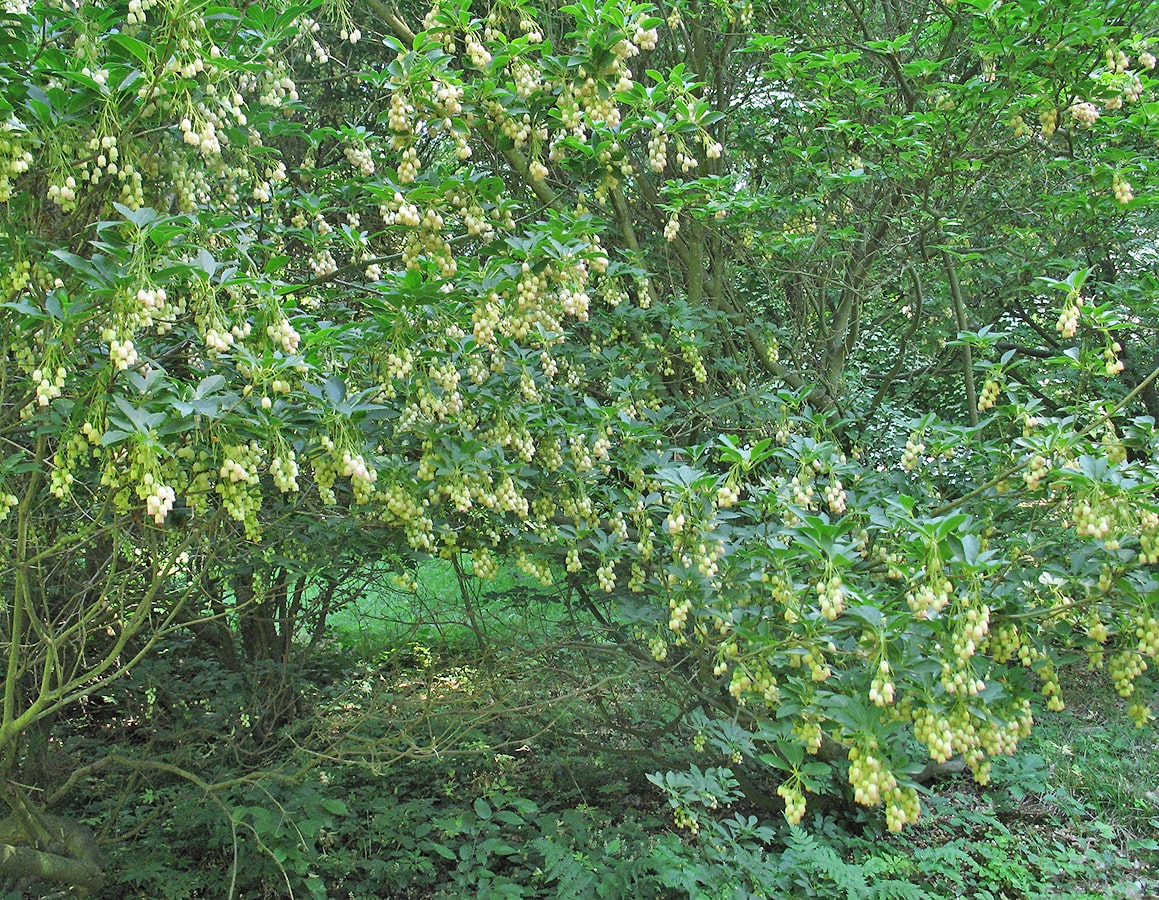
(544, 794)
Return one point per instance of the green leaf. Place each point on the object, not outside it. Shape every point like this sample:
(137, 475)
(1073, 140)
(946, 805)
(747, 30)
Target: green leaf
(336, 806)
(483, 809)
(443, 851)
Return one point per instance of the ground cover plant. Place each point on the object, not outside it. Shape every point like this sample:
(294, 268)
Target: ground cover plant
(801, 362)
(575, 812)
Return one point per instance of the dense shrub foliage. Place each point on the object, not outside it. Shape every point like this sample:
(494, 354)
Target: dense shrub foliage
(814, 348)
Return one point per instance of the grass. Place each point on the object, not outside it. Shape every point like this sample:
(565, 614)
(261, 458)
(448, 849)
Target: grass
(441, 613)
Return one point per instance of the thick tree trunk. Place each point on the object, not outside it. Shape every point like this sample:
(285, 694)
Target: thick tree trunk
(71, 857)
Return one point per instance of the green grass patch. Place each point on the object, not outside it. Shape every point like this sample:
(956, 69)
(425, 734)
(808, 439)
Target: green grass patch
(447, 612)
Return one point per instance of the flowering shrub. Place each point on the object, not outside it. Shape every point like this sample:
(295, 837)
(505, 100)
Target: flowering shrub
(516, 313)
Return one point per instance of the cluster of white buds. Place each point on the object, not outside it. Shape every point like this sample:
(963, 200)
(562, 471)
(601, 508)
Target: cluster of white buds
(914, 449)
(961, 681)
(64, 194)
(705, 557)
(1149, 537)
(483, 563)
(624, 49)
(1038, 468)
(240, 467)
(106, 153)
(835, 497)
(1147, 60)
(353, 36)
(1122, 190)
(8, 502)
(509, 499)
(1068, 319)
(122, 353)
(238, 475)
(975, 626)
(581, 456)
(680, 611)
(159, 502)
(902, 807)
(646, 38)
(803, 490)
(937, 733)
(931, 596)
(881, 690)
(14, 161)
(1117, 61)
(486, 319)
(1140, 713)
(398, 117)
(1048, 118)
(362, 477)
(869, 775)
(531, 30)
(1113, 365)
(989, 396)
(1086, 114)
(205, 140)
(137, 10)
(526, 79)
(408, 215)
(1147, 632)
(284, 470)
(360, 158)
(408, 165)
(685, 158)
(1091, 518)
(477, 53)
(794, 802)
(322, 263)
(574, 303)
(448, 101)
(727, 495)
(48, 389)
(606, 576)
(100, 76)
(1124, 667)
(152, 299)
(283, 333)
(278, 89)
(831, 596)
(218, 341)
(672, 228)
(658, 149)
